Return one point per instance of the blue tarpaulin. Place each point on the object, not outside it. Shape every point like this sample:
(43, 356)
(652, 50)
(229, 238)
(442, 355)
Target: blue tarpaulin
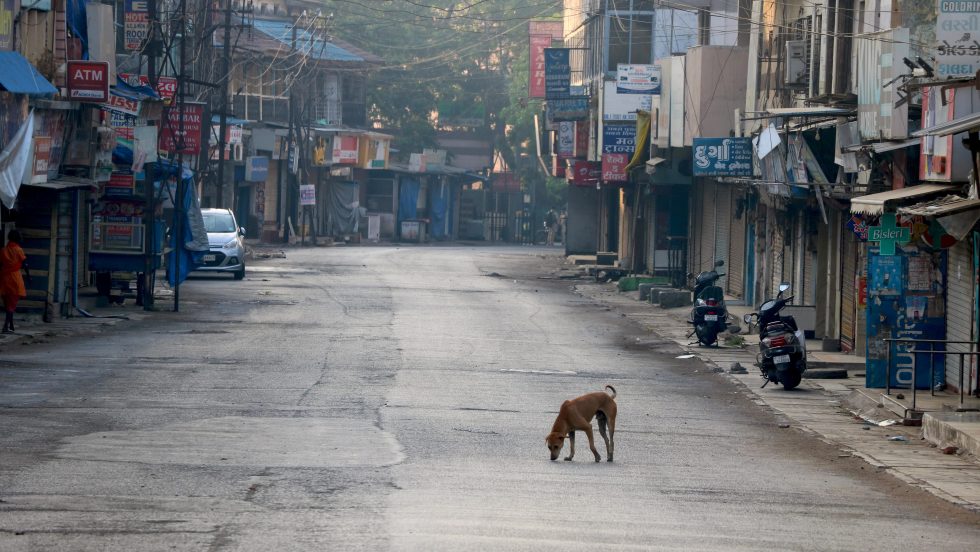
(194, 244)
(442, 216)
(18, 76)
(408, 199)
(77, 19)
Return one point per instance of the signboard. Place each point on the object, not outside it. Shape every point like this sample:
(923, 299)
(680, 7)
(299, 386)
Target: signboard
(957, 38)
(622, 107)
(121, 185)
(614, 167)
(568, 109)
(619, 139)
(307, 194)
(536, 78)
(123, 105)
(88, 81)
(136, 26)
(166, 86)
(582, 139)
(637, 79)
(722, 156)
(583, 173)
(416, 162)
(557, 73)
(182, 129)
(540, 33)
(566, 141)
(345, 150)
(256, 168)
(888, 234)
(39, 164)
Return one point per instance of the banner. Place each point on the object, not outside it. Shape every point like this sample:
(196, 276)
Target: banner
(535, 81)
(183, 127)
(722, 156)
(637, 79)
(568, 109)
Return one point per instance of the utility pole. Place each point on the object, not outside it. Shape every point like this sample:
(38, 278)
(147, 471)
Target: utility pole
(148, 280)
(223, 125)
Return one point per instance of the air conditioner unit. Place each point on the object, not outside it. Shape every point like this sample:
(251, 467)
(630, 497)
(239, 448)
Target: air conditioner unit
(796, 72)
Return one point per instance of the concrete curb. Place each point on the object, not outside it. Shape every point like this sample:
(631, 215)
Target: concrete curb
(830, 421)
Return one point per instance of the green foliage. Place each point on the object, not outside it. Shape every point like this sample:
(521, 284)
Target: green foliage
(468, 53)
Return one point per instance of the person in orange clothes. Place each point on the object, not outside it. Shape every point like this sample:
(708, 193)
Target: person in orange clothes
(12, 260)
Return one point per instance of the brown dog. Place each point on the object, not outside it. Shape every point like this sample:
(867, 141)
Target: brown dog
(577, 414)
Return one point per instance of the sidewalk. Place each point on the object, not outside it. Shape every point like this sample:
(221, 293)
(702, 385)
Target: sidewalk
(830, 408)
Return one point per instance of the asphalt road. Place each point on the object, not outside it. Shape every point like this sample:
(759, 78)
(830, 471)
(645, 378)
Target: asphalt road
(397, 398)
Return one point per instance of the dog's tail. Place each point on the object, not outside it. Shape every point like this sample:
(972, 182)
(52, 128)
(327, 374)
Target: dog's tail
(613, 389)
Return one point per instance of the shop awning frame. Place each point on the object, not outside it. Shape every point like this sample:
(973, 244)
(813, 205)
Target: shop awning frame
(874, 204)
(19, 76)
(66, 183)
(956, 126)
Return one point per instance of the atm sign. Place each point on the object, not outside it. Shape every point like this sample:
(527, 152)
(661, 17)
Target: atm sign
(88, 81)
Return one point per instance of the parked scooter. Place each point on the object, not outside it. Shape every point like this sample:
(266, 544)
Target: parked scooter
(782, 345)
(709, 315)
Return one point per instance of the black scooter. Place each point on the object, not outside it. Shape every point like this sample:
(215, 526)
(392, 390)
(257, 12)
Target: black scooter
(709, 315)
(782, 345)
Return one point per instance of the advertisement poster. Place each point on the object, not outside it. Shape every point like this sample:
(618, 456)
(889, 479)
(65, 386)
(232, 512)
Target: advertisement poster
(307, 194)
(345, 150)
(637, 79)
(905, 300)
(566, 140)
(583, 173)
(7, 18)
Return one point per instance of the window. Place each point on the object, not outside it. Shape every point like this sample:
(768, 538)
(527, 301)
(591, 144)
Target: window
(630, 38)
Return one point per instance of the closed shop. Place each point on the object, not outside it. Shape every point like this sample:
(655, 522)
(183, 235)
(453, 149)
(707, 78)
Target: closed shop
(848, 295)
(959, 309)
(736, 244)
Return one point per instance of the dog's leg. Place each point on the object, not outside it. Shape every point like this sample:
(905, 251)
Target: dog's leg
(588, 433)
(571, 446)
(612, 432)
(600, 417)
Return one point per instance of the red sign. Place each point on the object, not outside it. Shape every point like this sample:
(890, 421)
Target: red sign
(166, 86)
(581, 138)
(123, 104)
(536, 78)
(614, 167)
(583, 173)
(345, 150)
(88, 81)
(182, 134)
(557, 167)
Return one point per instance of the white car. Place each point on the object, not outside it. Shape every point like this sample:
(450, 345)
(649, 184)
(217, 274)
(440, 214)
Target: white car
(226, 241)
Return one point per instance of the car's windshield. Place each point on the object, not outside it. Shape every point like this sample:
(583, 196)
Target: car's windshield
(219, 222)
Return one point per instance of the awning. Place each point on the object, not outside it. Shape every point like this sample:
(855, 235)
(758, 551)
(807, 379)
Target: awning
(874, 204)
(883, 147)
(956, 126)
(66, 183)
(805, 112)
(957, 215)
(18, 76)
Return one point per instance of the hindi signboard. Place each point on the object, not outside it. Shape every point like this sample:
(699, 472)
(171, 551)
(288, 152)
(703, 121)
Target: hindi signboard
(557, 73)
(307, 194)
(619, 139)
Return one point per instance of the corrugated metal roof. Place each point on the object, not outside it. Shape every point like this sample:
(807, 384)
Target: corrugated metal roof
(956, 126)
(874, 204)
(947, 205)
(18, 76)
(306, 42)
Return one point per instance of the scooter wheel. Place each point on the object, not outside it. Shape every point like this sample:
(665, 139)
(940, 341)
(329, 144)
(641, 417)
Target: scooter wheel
(706, 335)
(790, 379)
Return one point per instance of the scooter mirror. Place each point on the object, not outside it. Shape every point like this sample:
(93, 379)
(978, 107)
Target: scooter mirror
(783, 287)
(719, 263)
(747, 319)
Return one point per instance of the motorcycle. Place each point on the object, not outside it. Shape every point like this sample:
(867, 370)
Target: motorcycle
(782, 345)
(709, 315)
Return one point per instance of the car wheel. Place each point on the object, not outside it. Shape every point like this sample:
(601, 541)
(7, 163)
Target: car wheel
(240, 275)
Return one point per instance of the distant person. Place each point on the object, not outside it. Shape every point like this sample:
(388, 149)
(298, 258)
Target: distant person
(551, 225)
(562, 219)
(12, 260)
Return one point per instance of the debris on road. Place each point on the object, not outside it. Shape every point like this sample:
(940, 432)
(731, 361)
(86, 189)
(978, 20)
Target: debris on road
(900, 438)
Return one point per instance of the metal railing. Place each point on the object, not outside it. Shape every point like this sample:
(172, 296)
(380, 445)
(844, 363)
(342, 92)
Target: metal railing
(932, 352)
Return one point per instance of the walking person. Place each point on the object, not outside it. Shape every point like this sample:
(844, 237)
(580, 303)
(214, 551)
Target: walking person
(12, 289)
(551, 225)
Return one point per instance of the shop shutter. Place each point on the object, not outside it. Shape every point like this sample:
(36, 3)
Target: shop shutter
(848, 291)
(809, 296)
(778, 250)
(705, 234)
(959, 308)
(736, 254)
(723, 225)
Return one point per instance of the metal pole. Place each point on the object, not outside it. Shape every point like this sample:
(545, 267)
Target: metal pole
(888, 366)
(223, 125)
(961, 378)
(932, 370)
(915, 379)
